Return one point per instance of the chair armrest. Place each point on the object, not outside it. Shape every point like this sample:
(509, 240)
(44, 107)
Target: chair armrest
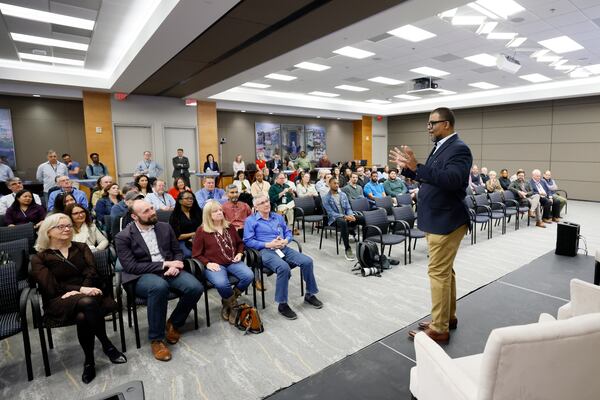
(35, 299)
(544, 317)
(585, 297)
(198, 269)
(562, 191)
(514, 202)
(118, 284)
(565, 312)
(405, 227)
(298, 244)
(23, 299)
(253, 258)
(438, 375)
(487, 209)
(501, 205)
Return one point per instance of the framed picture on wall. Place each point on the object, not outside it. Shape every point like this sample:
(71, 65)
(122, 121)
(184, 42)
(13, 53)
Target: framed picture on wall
(292, 140)
(7, 141)
(316, 141)
(268, 139)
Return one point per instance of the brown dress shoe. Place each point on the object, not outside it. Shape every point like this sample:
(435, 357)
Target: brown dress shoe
(296, 232)
(172, 334)
(439, 337)
(547, 220)
(556, 219)
(259, 286)
(160, 350)
(540, 224)
(425, 324)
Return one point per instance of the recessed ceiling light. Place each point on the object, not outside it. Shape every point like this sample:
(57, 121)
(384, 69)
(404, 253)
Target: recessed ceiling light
(540, 53)
(43, 16)
(548, 58)
(486, 28)
(535, 78)
(312, 66)
(407, 97)
(281, 77)
(504, 8)
(256, 85)
(18, 37)
(484, 59)
(484, 85)
(448, 13)
(36, 95)
(353, 52)
(270, 113)
(565, 67)
(483, 10)
(411, 33)
(579, 73)
(594, 69)
(351, 88)
(242, 110)
(516, 42)
(324, 94)
(386, 81)
(468, 20)
(318, 116)
(561, 44)
(377, 101)
(55, 60)
(338, 118)
(430, 71)
(502, 35)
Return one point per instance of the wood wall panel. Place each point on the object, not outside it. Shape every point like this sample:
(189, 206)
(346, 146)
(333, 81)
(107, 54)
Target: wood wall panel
(97, 114)
(208, 137)
(363, 139)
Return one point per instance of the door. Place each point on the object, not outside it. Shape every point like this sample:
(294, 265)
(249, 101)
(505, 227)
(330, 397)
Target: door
(130, 144)
(184, 138)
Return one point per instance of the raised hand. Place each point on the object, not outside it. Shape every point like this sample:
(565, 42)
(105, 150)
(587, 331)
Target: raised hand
(404, 157)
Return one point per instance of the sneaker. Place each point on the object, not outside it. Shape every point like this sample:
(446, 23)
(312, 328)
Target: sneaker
(286, 311)
(313, 301)
(349, 255)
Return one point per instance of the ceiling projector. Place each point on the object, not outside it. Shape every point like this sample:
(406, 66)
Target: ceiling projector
(508, 63)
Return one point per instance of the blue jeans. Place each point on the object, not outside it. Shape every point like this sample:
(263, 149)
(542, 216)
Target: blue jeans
(221, 281)
(155, 289)
(282, 267)
(187, 252)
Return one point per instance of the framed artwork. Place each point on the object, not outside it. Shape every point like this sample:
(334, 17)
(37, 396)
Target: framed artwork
(316, 141)
(292, 140)
(7, 141)
(268, 139)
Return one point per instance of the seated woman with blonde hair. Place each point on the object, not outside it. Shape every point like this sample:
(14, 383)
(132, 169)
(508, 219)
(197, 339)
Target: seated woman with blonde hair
(218, 246)
(65, 272)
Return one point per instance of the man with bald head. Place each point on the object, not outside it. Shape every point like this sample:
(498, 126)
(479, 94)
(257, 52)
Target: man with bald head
(150, 255)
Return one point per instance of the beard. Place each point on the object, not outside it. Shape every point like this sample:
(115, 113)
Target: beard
(153, 220)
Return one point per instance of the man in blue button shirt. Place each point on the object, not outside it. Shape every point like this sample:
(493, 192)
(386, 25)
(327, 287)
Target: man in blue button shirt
(66, 186)
(373, 189)
(210, 192)
(268, 233)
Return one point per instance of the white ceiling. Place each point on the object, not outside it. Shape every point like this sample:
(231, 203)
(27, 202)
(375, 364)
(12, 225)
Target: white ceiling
(394, 57)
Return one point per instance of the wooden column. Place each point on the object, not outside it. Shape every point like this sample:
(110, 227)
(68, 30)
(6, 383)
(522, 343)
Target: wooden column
(208, 138)
(363, 137)
(97, 117)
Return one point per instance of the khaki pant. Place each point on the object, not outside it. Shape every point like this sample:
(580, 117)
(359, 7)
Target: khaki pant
(287, 209)
(561, 200)
(536, 206)
(442, 251)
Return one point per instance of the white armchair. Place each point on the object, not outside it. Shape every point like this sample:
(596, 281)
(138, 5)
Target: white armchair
(550, 360)
(585, 299)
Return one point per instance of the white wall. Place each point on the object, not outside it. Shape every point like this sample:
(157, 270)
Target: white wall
(158, 113)
(380, 141)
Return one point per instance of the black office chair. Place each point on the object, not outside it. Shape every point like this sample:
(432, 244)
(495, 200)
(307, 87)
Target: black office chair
(379, 229)
(386, 204)
(305, 210)
(24, 231)
(163, 215)
(406, 214)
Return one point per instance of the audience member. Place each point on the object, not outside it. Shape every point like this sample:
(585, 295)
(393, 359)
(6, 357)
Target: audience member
(218, 246)
(493, 184)
(345, 177)
(303, 161)
(523, 191)
(142, 182)
(324, 162)
(210, 165)
(484, 175)
(181, 168)
(353, 190)
(551, 211)
(6, 171)
(242, 183)
(210, 192)
(185, 220)
(48, 172)
(72, 290)
(62, 201)
(504, 180)
(281, 196)
(268, 233)
(72, 166)
(362, 178)
(321, 174)
(236, 211)
(179, 185)
(66, 186)
(336, 173)
(96, 169)
(323, 185)
(551, 187)
(102, 183)
(24, 210)
(260, 161)
(275, 164)
(15, 185)
(374, 189)
(260, 186)
(305, 188)
(111, 196)
(385, 174)
(238, 164)
(159, 199)
(340, 213)
(84, 229)
(475, 179)
(150, 255)
(121, 211)
(148, 167)
(394, 185)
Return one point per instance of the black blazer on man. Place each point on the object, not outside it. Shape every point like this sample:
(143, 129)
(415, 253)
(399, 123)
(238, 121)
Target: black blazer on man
(274, 164)
(181, 167)
(444, 179)
(135, 256)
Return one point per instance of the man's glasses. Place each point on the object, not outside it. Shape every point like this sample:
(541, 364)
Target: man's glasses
(63, 227)
(432, 123)
(261, 203)
(16, 183)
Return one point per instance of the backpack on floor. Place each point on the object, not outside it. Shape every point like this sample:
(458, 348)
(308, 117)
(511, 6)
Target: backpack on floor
(370, 262)
(247, 319)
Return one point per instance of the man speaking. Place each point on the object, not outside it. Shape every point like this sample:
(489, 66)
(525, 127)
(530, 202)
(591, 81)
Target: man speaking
(442, 214)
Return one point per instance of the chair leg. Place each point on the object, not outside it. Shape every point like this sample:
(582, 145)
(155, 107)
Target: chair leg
(114, 321)
(301, 283)
(50, 342)
(321, 240)
(254, 290)
(337, 244)
(136, 327)
(206, 309)
(121, 325)
(404, 251)
(262, 281)
(44, 349)
(410, 251)
(196, 317)
(27, 349)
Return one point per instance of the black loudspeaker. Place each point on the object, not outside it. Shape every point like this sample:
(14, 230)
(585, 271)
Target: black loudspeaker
(567, 239)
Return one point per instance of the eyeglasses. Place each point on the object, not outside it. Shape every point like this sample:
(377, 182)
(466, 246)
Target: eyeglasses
(16, 183)
(78, 212)
(432, 123)
(261, 203)
(187, 198)
(63, 227)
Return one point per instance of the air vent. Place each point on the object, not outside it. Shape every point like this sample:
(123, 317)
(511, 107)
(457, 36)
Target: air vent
(353, 79)
(446, 58)
(379, 38)
(39, 52)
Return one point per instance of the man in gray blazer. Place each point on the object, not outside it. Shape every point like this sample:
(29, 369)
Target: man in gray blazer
(150, 255)
(181, 167)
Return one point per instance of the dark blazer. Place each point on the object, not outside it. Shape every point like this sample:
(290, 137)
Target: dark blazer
(271, 165)
(215, 167)
(181, 167)
(135, 256)
(444, 179)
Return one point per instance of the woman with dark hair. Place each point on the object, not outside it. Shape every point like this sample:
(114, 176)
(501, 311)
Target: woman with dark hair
(179, 185)
(143, 184)
(111, 196)
(62, 201)
(211, 164)
(24, 210)
(185, 220)
(84, 229)
(65, 272)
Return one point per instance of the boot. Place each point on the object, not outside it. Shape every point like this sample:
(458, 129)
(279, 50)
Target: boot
(232, 314)
(227, 305)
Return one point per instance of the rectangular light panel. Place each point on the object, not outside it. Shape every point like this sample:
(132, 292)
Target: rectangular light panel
(324, 94)
(561, 44)
(48, 59)
(255, 85)
(281, 77)
(407, 97)
(503, 8)
(535, 78)
(312, 66)
(18, 37)
(352, 88)
(353, 52)
(412, 33)
(43, 16)
(484, 59)
(377, 101)
(386, 81)
(430, 71)
(484, 85)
